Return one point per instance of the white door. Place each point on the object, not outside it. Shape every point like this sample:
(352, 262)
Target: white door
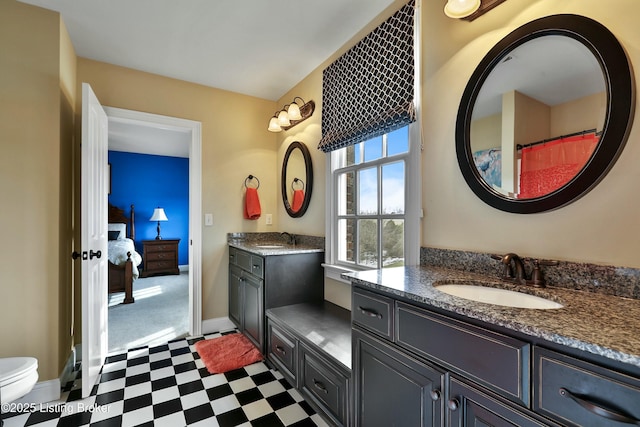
(94, 150)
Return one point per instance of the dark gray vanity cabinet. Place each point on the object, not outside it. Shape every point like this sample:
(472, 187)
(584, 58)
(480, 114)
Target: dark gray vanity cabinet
(393, 388)
(578, 393)
(416, 367)
(310, 344)
(257, 283)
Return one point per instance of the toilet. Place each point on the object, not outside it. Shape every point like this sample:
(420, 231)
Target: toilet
(18, 375)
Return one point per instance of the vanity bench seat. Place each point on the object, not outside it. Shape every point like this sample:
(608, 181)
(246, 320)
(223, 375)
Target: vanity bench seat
(310, 344)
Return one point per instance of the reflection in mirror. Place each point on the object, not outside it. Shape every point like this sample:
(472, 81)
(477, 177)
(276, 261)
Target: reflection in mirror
(545, 114)
(297, 179)
(538, 117)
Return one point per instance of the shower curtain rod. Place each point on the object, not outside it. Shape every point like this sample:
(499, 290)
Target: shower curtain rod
(521, 146)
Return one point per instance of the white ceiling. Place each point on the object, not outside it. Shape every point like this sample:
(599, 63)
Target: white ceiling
(260, 48)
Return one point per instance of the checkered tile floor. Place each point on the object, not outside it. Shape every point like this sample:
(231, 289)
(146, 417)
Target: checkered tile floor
(168, 385)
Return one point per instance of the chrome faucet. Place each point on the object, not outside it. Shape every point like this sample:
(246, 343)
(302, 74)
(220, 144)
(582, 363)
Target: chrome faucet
(291, 237)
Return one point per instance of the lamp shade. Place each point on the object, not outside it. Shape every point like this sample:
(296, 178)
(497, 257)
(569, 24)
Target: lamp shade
(158, 215)
(274, 126)
(283, 118)
(461, 8)
(294, 112)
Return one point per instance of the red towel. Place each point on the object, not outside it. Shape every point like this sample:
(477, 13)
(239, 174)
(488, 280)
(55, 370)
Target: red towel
(251, 204)
(298, 199)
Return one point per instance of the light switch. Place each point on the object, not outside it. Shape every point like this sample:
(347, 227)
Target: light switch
(208, 219)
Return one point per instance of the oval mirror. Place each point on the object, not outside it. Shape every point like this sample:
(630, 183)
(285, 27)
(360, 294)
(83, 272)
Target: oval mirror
(297, 179)
(545, 115)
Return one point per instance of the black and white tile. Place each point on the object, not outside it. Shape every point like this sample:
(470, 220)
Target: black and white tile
(168, 385)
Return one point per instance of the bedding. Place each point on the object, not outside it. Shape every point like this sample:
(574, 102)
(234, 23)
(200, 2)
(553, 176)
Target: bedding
(118, 253)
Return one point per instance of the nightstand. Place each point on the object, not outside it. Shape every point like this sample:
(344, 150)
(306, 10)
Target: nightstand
(159, 257)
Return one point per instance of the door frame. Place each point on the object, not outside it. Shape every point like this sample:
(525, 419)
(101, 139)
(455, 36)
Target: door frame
(195, 198)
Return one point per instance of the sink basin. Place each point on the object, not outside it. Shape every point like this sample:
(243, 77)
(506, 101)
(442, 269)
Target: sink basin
(497, 296)
(269, 246)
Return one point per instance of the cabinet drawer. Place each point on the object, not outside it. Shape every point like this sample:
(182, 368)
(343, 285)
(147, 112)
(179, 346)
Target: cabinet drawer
(162, 247)
(497, 361)
(159, 256)
(582, 394)
(160, 265)
(324, 385)
(233, 255)
(243, 260)
(373, 312)
(257, 266)
(282, 349)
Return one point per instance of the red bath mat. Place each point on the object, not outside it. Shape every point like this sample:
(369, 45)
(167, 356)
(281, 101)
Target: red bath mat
(227, 353)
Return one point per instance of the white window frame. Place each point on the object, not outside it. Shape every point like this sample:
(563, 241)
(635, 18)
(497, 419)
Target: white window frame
(413, 183)
(333, 267)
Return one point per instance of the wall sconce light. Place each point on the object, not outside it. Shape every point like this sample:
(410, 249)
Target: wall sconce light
(291, 115)
(469, 9)
(158, 215)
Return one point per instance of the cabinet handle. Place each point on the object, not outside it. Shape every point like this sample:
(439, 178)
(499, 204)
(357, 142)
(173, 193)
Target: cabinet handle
(453, 404)
(318, 384)
(369, 312)
(601, 411)
(280, 350)
(435, 395)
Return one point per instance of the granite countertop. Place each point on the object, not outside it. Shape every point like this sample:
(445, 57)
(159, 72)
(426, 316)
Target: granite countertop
(274, 248)
(604, 325)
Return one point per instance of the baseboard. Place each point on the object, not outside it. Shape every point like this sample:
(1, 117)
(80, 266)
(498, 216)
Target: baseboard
(183, 268)
(219, 324)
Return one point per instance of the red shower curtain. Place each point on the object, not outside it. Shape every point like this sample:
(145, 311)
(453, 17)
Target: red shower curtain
(546, 167)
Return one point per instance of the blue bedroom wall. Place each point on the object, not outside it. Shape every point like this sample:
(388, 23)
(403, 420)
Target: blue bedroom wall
(149, 181)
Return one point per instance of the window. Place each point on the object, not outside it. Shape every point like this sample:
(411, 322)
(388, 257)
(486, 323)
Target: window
(369, 218)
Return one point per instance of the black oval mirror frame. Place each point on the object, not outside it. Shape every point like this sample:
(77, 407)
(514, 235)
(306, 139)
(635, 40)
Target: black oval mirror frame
(308, 179)
(618, 76)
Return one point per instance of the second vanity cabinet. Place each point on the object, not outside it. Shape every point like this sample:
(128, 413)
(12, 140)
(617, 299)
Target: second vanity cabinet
(259, 282)
(413, 366)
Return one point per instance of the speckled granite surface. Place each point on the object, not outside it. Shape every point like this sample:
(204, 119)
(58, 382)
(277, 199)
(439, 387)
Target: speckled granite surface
(597, 323)
(267, 244)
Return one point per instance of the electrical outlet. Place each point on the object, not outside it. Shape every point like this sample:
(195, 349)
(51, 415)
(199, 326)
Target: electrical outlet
(269, 219)
(208, 219)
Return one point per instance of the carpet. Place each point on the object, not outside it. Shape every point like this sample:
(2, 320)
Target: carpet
(226, 353)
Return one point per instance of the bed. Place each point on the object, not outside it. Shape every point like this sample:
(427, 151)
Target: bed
(123, 258)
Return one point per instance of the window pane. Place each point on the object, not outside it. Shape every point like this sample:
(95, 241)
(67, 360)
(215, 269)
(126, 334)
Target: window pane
(346, 240)
(398, 141)
(368, 242)
(392, 242)
(393, 188)
(373, 149)
(368, 191)
(346, 193)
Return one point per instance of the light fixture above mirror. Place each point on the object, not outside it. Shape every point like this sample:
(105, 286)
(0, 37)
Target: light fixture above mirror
(469, 9)
(291, 115)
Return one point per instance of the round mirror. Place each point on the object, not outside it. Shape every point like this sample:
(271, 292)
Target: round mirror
(545, 115)
(297, 179)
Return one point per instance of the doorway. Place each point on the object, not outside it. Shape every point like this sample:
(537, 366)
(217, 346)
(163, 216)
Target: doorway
(173, 137)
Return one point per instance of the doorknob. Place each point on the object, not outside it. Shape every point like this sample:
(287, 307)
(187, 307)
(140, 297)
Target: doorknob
(93, 254)
(84, 255)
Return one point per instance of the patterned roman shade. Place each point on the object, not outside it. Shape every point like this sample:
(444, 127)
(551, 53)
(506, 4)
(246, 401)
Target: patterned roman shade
(369, 90)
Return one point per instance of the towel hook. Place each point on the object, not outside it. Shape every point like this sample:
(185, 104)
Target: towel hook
(249, 178)
(296, 181)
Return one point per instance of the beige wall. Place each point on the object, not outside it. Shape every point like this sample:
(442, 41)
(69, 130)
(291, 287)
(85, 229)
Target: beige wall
(34, 133)
(235, 143)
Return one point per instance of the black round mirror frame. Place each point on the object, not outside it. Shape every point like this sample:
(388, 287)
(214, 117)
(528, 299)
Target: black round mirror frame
(308, 179)
(619, 81)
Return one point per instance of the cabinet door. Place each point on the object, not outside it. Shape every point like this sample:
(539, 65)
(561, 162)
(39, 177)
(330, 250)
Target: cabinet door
(393, 389)
(467, 406)
(235, 295)
(252, 310)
